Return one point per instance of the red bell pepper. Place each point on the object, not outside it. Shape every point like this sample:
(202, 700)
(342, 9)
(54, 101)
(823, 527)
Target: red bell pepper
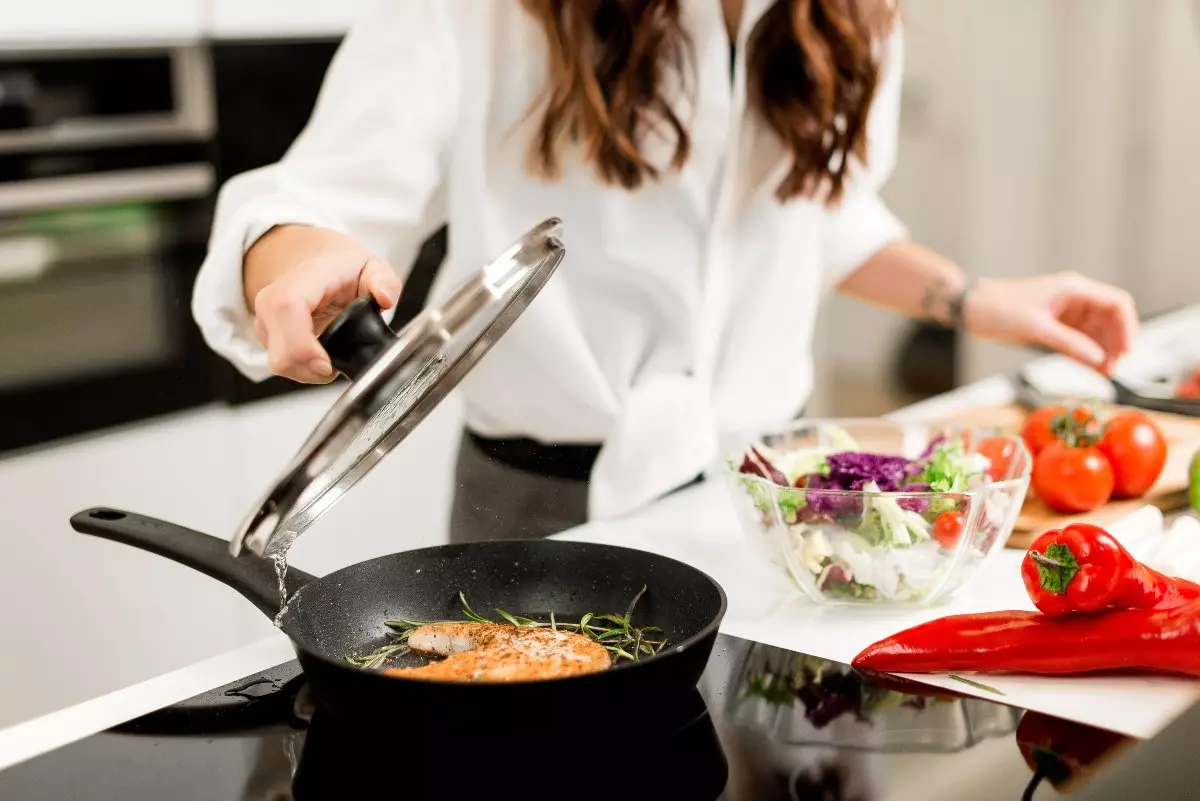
(1064, 752)
(1160, 640)
(1082, 568)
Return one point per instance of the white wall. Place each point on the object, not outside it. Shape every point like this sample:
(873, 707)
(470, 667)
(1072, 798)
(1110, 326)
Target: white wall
(855, 342)
(1167, 147)
(1044, 136)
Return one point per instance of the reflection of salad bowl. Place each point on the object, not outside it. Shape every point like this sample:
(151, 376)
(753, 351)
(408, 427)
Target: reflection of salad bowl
(803, 700)
(877, 512)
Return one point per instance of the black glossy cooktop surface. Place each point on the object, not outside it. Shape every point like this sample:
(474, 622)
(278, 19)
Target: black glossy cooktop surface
(766, 724)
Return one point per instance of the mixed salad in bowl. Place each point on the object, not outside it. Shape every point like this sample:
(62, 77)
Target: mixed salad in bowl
(853, 517)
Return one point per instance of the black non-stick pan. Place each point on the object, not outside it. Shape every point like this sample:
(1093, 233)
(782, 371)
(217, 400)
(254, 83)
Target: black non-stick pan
(343, 614)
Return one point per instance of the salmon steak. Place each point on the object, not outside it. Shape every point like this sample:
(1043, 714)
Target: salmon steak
(499, 652)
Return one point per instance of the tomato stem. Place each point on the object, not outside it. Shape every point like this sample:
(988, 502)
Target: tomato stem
(1079, 426)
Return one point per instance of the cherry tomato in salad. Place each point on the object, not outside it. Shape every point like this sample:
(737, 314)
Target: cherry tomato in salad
(1137, 451)
(948, 527)
(1000, 452)
(1072, 479)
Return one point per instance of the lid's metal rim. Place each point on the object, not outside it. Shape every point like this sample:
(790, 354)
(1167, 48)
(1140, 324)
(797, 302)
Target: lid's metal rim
(261, 531)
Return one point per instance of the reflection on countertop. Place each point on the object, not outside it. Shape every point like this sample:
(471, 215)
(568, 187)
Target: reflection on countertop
(846, 737)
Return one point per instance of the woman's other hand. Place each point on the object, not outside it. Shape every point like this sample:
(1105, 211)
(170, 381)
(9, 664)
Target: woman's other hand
(297, 280)
(1092, 322)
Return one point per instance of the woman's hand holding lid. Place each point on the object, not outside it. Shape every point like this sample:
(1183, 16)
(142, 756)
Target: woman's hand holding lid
(297, 282)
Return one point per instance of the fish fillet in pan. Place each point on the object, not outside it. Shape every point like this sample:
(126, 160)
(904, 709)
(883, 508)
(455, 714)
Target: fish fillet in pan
(497, 652)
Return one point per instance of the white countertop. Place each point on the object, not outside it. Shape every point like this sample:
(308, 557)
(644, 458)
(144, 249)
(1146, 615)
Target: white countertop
(233, 452)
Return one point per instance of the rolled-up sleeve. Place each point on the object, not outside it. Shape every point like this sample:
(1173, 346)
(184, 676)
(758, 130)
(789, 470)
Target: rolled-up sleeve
(369, 164)
(862, 224)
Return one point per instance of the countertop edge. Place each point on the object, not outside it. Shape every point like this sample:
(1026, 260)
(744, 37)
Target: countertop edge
(41, 735)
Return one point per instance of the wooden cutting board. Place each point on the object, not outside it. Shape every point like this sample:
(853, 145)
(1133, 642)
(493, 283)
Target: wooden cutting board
(1170, 492)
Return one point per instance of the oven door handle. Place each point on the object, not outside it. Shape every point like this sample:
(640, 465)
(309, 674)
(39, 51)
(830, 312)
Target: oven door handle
(91, 132)
(175, 182)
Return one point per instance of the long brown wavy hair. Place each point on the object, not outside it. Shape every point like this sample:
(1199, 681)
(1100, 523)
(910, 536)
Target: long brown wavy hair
(813, 68)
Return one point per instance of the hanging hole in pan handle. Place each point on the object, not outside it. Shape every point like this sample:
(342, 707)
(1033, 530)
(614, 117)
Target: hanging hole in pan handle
(357, 337)
(107, 514)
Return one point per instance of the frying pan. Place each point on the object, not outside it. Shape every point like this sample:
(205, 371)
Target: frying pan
(343, 613)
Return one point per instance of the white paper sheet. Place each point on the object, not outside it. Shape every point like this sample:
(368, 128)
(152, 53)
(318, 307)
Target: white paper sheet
(698, 527)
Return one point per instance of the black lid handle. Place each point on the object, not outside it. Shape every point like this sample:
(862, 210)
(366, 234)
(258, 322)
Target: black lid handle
(357, 337)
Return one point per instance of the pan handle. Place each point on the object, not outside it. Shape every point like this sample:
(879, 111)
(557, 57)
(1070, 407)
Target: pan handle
(253, 578)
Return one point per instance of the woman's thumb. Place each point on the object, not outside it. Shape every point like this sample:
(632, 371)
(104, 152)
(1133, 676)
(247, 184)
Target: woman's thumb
(380, 280)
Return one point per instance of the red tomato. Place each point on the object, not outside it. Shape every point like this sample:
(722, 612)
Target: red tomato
(1135, 448)
(1038, 431)
(1072, 479)
(948, 528)
(1190, 389)
(999, 452)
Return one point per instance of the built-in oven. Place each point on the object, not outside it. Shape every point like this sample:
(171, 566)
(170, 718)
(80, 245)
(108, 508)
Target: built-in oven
(106, 188)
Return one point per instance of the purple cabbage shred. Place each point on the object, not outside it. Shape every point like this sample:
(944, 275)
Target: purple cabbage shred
(919, 505)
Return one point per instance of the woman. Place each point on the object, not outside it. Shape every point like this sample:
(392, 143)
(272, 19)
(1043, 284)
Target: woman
(716, 165)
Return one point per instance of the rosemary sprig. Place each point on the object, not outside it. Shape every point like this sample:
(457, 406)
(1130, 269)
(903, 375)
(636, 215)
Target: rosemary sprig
(380, 656)
(616, 633)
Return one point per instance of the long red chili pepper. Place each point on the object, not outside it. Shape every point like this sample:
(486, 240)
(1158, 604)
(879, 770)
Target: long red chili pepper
(1028, 642)
(1082, 568)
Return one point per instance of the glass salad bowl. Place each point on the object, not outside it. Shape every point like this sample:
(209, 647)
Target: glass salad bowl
(870, 511)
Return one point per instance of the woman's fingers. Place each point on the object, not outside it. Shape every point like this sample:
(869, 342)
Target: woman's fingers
(292, 348)
(380, 281)
(291, 312)
(1091, 322)
(1072, 342)
(1110, 307)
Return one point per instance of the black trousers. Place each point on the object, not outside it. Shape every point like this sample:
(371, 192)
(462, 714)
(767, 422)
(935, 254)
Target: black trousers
(519, 489)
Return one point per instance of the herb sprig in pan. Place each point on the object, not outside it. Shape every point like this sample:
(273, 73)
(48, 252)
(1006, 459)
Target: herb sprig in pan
(616, 633)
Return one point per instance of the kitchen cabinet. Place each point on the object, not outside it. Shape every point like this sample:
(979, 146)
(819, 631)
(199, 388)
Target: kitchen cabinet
(85, 23)
(92, 24)
(241, 19)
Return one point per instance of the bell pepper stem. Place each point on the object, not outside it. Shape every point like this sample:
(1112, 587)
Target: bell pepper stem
(1034, 783)
(1045, 561)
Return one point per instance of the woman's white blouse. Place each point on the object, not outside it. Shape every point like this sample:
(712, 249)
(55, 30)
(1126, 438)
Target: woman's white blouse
(683, 311)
